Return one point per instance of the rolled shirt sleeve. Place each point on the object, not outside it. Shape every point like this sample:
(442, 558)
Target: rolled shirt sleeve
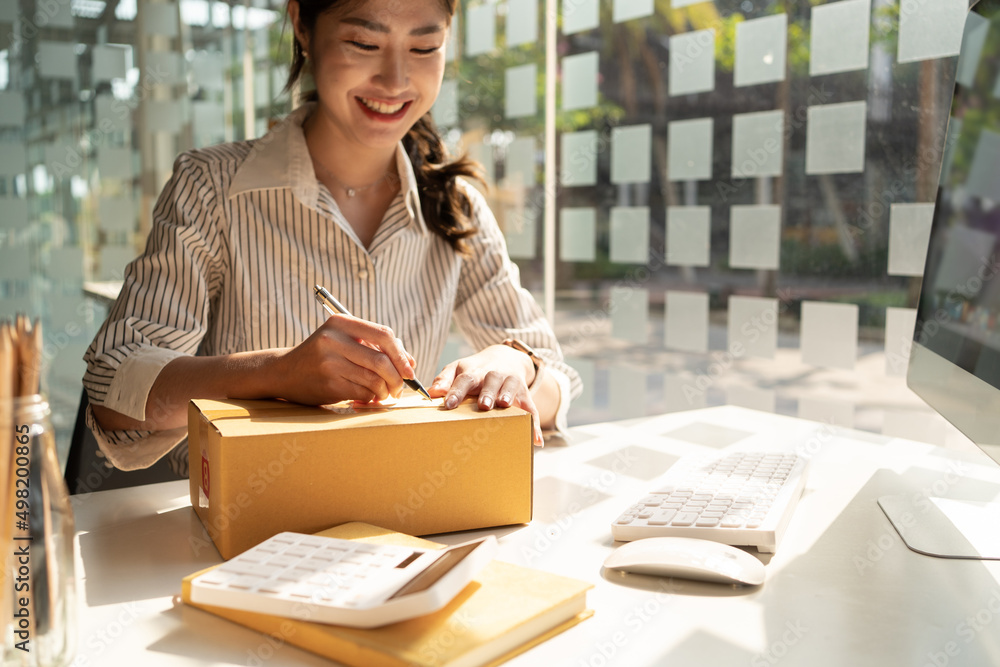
(161, 313)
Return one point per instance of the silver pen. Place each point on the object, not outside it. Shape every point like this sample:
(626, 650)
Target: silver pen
(334, 307)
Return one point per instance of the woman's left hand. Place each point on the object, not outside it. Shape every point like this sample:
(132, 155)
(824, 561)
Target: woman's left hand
(499, 375)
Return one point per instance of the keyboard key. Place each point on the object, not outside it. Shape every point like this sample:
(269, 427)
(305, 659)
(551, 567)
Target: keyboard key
(684, 519)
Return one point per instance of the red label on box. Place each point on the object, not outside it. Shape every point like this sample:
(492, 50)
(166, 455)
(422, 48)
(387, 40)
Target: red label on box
(205, 478)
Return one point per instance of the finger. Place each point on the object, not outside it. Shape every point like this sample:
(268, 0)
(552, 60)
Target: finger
(464, 385)
(443, 380)
(384, 339)
(371, 369)
(526, 403)
(492, 383)
(512, 385)
(409, 357)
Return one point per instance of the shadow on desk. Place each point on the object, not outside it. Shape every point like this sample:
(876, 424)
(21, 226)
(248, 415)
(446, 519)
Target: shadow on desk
(210, 640)
(859, 581)
(119, 557)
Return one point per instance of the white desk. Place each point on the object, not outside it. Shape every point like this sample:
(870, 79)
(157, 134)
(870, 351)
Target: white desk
(841, 590)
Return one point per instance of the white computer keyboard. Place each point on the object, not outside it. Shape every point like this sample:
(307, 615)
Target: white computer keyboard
(342, 582)
(742, 499)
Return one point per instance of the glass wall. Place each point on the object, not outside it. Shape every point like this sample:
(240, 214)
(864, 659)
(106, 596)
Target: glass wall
(742, 195)
(718, 202)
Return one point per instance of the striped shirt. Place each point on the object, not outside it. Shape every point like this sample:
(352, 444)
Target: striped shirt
(240, 235)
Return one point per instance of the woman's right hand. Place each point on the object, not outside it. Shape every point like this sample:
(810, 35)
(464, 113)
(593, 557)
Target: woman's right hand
(344, 359)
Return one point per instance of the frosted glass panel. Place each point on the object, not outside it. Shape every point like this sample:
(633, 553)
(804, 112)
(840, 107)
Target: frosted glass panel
(66, 263)
(692, 62)
(625, 10)
(579, 85)
(753, 326)
(109, 61)
(159, 18)
(629, 309)
(169, 67)
(520, 232)
(14, 264)
(630, 234)
(839, 37)
(164, 116)
(113, 260)
(208, 122)
(934, 30)
(909, 236)
(520, 165)
(832, 412)
(627, 391)
(688, 235)
(899, 326)
(577, 234)
(15, 212)
(116, 214)
(13, 159)
(760, 50)
(579, 15)
(11, 109)
(112, 114)
(445, 108)
(630, 154)
(829, 334)
(56, 60)
(207, 68)
(754, 237)
(753, 398)
(686, 326)
(578, 158)
(520, 91)
(758, 144)
(689, 149)
(522, 22)
(480, 30)
(835, 138)
(974, 37)
(984, 174)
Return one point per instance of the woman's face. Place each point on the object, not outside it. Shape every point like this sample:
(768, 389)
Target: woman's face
(378, 66)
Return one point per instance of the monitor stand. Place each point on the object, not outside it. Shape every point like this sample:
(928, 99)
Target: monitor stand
(945, 527)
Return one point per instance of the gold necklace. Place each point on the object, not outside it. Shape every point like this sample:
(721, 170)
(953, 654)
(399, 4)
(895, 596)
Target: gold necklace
(352, 191)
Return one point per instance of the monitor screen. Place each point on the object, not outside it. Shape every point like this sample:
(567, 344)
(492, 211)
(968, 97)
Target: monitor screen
(955, 357)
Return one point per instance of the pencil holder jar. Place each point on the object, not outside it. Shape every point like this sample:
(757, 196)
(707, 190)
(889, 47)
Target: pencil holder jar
(40, 587)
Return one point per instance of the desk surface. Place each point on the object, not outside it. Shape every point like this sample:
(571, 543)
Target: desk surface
(842, 588)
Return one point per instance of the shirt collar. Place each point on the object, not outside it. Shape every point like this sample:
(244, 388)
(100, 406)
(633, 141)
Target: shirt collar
(280, 160)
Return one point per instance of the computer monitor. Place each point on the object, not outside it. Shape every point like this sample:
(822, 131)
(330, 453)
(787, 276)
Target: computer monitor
(955, 357)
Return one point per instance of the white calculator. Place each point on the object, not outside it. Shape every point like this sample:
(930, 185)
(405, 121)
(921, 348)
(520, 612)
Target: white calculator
(342, 582)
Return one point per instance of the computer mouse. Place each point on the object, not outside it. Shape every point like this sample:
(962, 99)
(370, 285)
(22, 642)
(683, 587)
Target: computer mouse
(687, 558)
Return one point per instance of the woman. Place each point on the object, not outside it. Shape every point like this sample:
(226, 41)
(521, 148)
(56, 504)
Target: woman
(351, 192)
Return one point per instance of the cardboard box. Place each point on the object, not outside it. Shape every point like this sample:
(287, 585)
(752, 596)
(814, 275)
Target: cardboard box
(262, 467)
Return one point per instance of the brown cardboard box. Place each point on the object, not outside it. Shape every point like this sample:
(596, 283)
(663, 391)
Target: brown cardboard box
(262, 467)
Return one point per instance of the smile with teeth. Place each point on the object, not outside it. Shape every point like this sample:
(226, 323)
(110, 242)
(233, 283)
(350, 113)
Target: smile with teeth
(381, 107)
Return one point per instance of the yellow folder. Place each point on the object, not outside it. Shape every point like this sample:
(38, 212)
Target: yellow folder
(506, 610)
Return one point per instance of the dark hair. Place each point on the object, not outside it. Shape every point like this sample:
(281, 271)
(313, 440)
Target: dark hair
(445, 206)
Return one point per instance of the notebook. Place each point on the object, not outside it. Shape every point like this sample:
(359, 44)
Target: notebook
(505, 611)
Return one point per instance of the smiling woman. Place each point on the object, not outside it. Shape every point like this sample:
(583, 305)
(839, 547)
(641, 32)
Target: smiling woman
(354, 190)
